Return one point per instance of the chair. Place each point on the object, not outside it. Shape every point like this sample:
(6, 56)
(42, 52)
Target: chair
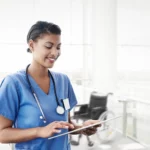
(93, 110)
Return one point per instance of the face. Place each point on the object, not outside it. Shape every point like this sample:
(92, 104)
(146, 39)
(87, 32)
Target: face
(46, 49)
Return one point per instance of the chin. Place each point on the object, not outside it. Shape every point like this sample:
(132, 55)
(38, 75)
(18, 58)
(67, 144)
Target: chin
(50, 66)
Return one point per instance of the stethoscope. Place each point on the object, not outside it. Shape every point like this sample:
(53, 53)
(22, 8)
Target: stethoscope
(60, 110)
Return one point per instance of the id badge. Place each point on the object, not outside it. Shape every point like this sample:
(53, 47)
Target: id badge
(66, 103)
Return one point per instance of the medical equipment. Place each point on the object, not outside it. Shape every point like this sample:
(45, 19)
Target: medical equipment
(93, 110)
(107, 131)
(60, 110)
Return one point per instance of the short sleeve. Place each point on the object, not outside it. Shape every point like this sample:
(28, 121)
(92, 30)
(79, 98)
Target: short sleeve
(71, 95)
(9, 100)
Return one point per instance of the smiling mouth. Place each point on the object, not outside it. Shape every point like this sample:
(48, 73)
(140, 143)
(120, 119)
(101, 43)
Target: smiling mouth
(51, 60)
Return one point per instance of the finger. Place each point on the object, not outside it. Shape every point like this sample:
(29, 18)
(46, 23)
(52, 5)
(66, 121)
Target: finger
(60, 125)
(56, 131)
(90, 122)
(89, 132)
(93, 121)
(67, 124)
(97, 126)
(92, 130)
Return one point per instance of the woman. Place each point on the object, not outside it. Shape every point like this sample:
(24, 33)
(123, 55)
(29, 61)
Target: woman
(35, 102)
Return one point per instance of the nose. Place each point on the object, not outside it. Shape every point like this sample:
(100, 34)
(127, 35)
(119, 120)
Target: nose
(54, 52)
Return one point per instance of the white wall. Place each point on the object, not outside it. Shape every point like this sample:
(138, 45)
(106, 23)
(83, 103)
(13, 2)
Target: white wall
(133, 46)
(133, 22)
(18, 16)
(133, 35)
(74, 18)
(133, 61)
(104, 45)
(95, 32)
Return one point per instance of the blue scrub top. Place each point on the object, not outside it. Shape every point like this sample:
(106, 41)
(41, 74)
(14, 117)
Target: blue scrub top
(18, 104)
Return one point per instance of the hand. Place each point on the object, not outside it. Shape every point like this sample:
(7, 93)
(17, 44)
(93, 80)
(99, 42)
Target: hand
(91, 130)
(52, 128)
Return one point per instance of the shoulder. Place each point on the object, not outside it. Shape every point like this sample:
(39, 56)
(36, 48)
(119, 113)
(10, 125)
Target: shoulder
(59, 76)
(13, 78)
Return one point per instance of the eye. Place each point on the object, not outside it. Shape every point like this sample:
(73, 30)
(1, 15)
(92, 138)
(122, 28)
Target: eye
(59, 47)
(48, 47)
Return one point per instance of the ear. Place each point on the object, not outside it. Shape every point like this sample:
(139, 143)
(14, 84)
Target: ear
(31, 43)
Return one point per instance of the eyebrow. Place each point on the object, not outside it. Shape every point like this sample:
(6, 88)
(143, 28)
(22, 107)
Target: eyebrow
(53, 43)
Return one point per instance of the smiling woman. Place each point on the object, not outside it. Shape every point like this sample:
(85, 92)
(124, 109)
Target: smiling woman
(46, 41)
(37, 101)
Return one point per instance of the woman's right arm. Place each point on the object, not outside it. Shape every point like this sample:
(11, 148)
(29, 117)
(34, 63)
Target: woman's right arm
(16, 135)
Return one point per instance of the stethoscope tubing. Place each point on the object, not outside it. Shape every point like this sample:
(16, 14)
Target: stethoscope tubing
(35, 96)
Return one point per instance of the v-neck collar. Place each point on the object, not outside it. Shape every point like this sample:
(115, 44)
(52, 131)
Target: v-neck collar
(35, 85)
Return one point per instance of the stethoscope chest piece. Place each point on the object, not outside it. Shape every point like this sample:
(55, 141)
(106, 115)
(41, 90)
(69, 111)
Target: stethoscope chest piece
(60, 110)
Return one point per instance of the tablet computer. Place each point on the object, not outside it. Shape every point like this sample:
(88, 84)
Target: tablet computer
(82, 128)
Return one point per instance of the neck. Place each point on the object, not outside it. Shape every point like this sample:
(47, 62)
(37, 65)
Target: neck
(37, 70)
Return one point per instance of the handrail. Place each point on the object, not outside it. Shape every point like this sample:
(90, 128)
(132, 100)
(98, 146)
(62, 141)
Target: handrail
(134, 99)
(125, 101)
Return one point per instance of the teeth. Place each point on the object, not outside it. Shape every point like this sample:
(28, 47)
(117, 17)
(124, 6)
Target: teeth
(51, 59)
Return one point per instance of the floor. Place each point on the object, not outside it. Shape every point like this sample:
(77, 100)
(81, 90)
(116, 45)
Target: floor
(119, 143)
